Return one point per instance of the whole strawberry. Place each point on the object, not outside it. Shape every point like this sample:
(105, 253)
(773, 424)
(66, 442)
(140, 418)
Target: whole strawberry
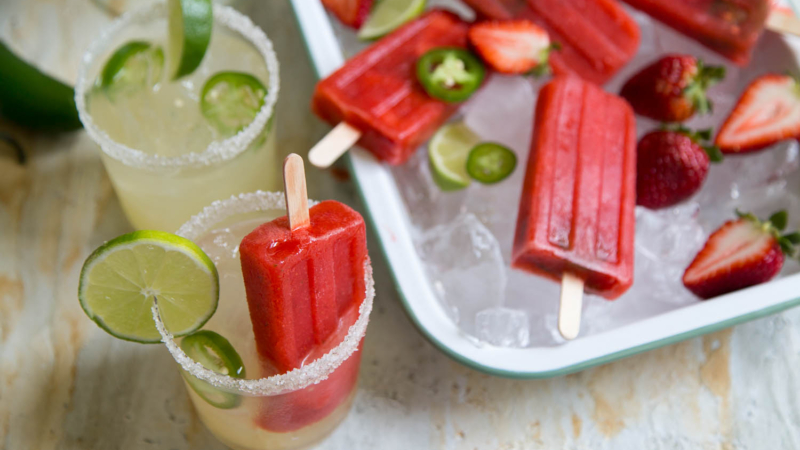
(671, 166)
(741, 253)
(672, 89)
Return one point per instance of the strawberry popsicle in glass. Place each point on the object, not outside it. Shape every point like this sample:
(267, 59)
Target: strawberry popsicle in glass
(377, 96)
(576, 216)
(729, 27)
(301, 282)
(277, 365)
(304, 279)
(597, 37)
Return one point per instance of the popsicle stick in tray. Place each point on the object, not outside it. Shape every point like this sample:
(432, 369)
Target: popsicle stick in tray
(570, 306)
(335, 144)
(294, 182)
(783, 20)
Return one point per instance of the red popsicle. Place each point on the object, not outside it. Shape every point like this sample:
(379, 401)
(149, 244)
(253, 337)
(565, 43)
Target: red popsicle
(597, 37)
(377, 95)
(729, 27)
(495, 9)
(301, 278)
(576, 216)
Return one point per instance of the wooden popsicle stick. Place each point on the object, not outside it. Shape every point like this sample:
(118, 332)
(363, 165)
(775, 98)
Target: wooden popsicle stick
(294, 183)
(333, 145)
(569, 311)
(783, 21)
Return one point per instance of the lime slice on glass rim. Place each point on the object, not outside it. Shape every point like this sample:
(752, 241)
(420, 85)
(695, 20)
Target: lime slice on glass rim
(490, 163)
(231, 100)
(135, 65)
(120, 280)
(215, 353)
(389, 15)
(447, 154)
(190, 23)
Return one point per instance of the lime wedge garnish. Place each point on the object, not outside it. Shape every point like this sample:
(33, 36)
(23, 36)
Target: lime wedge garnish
(190, 24)
(490, 163)
(216, 353)
(231, 100)
(133, 66)
(447, 153)
(388, 15)
(120, 279)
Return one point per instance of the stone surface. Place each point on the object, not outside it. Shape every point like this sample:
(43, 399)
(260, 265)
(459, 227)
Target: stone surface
(65, 384)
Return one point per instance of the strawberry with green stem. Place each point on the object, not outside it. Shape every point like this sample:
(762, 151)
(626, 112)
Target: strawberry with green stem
(743, 252)
(673, 88)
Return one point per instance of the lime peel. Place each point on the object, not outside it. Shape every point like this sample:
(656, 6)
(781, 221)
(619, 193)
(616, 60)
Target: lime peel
(388, 15)
(190, 23)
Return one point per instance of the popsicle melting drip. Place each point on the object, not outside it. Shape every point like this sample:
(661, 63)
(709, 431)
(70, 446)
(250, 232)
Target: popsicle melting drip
(377, 93)
(576, 213)
(729, 27)
(597, 37)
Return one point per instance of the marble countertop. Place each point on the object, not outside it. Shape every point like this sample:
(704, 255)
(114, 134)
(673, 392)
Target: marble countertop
(65, 384)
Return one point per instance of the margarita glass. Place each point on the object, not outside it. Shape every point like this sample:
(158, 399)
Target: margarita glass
(164, 158)
(264, 410)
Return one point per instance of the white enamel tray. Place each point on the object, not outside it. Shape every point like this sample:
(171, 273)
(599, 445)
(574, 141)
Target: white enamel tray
(390, 221)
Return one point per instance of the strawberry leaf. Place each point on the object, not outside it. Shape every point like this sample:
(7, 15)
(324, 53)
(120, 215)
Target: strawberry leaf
(748, 216)
(786, 246)
(779, 220)
(543, 68)
(794, 238)
(704, 134)
(714, 153)
(695, 91)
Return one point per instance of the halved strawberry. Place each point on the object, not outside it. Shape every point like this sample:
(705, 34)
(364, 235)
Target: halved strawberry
(742, 253)
(352, 13)
(767, 112)
(511, 46)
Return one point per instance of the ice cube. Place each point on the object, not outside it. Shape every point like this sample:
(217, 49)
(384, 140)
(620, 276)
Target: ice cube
(502, 111)
(762, 201)
(503, 327)
(738, 174)
(427, 204)
(666, 242)
(465, 267)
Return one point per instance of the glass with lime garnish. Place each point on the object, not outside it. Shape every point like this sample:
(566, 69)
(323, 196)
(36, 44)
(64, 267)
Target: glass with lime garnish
(180, 97)
(195, 279)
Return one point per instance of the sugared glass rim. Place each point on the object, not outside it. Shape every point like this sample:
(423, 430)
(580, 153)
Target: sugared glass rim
(294, 380)
(217, 151)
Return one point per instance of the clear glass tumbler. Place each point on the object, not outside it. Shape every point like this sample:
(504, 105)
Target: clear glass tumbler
(163, 158)
(264, 410)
